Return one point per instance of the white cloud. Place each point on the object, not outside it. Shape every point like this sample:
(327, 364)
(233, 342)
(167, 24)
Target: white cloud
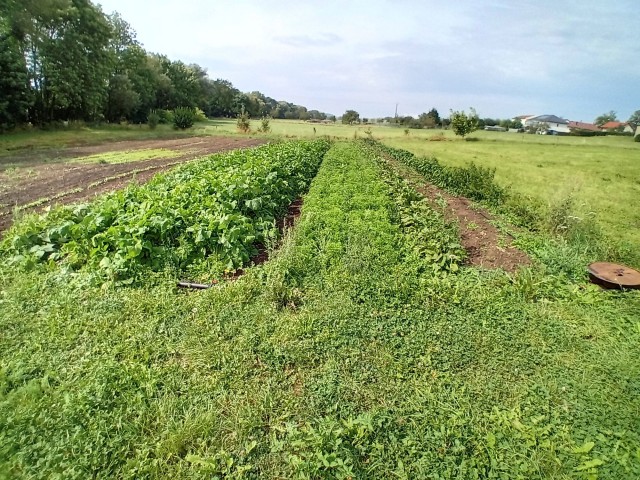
(503, 57)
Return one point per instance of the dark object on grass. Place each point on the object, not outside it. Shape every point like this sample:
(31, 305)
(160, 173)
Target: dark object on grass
(612, 275)
(195, 286)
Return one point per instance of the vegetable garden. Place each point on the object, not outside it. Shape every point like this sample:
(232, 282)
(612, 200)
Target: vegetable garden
(364, 348)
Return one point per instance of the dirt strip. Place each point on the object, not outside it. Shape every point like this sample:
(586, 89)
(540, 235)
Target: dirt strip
(486, 246)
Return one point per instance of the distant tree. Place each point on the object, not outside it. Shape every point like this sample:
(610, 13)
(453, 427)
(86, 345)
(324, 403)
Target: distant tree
(432, 118)
(635, 118)
(331, 118)
(350, 117)
(606, 117)
(463, 124)
(14, 83)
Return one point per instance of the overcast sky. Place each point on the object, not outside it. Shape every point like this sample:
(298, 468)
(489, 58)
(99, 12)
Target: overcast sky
(572, 58)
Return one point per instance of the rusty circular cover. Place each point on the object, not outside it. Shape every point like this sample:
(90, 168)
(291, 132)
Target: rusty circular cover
(612, 275)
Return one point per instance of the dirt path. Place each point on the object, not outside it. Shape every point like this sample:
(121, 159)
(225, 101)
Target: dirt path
(486, 246)
(42, 184)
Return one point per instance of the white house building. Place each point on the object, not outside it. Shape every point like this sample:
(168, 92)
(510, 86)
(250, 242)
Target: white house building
(554, 124)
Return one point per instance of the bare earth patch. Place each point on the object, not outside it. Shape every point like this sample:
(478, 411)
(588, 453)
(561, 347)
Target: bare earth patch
(38, 185)
(486, 246)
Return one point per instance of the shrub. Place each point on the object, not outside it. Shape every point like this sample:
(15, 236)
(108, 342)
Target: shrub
(166, 116)
(463, 124)
(200, 116)
(183, 117)
(637, 138)
(153, 119)
(264, 124)
(243, 123)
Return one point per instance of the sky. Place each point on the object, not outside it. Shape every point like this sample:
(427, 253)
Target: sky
(574, 58)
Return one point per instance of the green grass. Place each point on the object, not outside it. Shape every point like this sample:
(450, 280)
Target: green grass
(601, 173)
(342, 356)
(128, 156)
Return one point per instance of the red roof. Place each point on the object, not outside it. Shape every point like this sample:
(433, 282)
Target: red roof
(584, 126)
(613, 125)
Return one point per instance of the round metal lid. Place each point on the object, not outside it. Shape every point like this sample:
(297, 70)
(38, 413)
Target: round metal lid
(612, 275)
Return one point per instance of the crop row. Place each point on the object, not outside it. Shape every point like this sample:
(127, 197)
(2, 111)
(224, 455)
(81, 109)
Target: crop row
(427, 233)
(207, 215)
(473, 181)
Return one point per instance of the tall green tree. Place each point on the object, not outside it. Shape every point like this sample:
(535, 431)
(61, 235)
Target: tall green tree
(606, 117)
(14, 82)
(463, 124)
(350, 116)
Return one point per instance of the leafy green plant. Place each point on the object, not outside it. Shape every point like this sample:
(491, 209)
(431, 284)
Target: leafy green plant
(199, 115)
(153, 119)
(210, 214)
(243, 122)
(184, 117)
(264, 124)
(463, 124)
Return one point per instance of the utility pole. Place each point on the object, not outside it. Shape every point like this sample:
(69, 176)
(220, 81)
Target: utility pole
(396, 117)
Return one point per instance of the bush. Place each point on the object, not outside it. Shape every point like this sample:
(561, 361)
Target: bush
(264, 125)
(184, 117)
(463, 124)
(166, 116)
(153, 119)
(637, 138)
(243, 123)
(200, 116)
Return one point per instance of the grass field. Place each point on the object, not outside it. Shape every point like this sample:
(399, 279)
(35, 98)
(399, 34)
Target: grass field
(601, 173)
(354, 352)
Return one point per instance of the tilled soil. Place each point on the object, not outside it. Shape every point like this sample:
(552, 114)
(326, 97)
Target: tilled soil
(486, 246)
(47, 184)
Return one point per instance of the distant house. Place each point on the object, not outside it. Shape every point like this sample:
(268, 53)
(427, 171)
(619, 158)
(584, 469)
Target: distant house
(522, 118)
(589, 127)
(553, 123)
(613, 126)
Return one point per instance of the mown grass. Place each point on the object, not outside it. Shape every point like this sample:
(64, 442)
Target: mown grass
(342, 356)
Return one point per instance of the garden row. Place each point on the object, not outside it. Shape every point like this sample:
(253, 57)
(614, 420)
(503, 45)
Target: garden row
(209, 215)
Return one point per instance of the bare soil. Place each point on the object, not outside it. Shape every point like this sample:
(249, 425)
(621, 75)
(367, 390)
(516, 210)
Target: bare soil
(486, 246)
(53, 183)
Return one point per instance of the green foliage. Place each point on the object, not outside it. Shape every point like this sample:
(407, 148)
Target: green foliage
(199, 116)
(350, 117)
(264, 125)
(339, 357)
(243, 122)
(184, 117)
(14, 84)
(430, 236)
(474, 182)
(209, 214)
(153, 119)
(606, 117)
(463, 124)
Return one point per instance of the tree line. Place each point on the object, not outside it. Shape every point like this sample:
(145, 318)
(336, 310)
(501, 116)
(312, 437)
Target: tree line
(64, 60)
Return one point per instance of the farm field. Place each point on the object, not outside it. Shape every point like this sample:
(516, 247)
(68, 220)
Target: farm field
(368, 346)
(602, 174)
(80, 173)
